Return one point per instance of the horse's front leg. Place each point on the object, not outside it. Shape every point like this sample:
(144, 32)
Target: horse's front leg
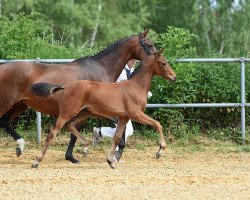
(144, 119)
(53, 132)
(116, 139)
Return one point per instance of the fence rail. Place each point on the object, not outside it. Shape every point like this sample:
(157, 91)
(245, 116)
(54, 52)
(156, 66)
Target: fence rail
(242, 61)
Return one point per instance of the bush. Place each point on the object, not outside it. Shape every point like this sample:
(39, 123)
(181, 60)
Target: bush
(196, 83)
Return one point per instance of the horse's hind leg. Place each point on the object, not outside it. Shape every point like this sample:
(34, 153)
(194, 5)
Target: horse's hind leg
(144, 119)
(5, 123)
(53, 132)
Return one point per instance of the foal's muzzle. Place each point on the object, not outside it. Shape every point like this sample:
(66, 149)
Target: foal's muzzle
(172, 78)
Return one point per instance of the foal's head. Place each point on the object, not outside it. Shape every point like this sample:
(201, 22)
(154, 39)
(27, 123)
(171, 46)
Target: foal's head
(161, 67)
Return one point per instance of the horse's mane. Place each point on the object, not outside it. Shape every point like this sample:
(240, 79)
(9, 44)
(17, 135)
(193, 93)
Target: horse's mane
(108, 49)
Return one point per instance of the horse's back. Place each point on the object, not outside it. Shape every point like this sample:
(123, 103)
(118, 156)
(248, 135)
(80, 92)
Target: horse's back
(14, 75)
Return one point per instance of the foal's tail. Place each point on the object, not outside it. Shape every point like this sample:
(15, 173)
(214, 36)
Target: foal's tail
(45, 89)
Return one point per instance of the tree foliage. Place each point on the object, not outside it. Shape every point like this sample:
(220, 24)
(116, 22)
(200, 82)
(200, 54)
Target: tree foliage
(221, 26)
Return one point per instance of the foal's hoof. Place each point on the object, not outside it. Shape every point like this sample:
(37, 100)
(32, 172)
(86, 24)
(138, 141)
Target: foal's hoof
(85, 153)
(118, 155)
(111, 164)
(158, 155)
(34, 165)
(18, 152)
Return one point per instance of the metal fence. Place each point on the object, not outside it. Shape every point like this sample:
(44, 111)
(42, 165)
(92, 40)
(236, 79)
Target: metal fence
(242, 104)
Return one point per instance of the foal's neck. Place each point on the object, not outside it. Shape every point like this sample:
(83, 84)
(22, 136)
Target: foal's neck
(142, 78)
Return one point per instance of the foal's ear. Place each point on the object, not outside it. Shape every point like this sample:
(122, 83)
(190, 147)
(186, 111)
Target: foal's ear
(160, 52)
(144, 33)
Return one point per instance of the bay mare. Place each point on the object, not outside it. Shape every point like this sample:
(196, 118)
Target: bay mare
(16, 79)
(128, 99)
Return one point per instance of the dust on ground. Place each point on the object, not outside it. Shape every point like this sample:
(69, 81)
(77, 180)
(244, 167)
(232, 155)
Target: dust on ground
(199, 175)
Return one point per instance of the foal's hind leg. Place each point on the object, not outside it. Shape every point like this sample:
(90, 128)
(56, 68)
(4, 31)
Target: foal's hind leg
(5, 123)
(116, 139)
(72, 126)
(53, 132)
(144, 119)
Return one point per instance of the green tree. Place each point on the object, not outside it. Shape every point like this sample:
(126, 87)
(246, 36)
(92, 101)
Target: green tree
(221, 26)
(75, 22)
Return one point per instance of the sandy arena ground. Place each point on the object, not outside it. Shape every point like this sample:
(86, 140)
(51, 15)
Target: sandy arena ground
(175, 176)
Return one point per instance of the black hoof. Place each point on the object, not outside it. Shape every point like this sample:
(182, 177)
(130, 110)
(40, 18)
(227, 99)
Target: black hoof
(72, 159)
(18, 152)
(34, 165)
(158, 155)
(111, 164)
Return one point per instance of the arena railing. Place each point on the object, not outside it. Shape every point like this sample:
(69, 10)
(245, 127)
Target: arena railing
(242, 61)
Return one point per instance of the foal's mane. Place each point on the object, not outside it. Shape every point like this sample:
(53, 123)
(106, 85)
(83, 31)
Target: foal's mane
(109, 49)
(137, 69)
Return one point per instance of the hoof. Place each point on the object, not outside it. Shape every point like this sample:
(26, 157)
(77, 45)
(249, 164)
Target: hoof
(111, 164)
(18, 151)
(118, 155)
(34, 165)
(158, 155)
(85, 153)
(72, 159)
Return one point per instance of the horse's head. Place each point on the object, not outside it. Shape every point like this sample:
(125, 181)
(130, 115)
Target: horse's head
(161, 66)
(145, 46)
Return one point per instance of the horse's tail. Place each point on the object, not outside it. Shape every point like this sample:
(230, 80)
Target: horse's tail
(45, 89)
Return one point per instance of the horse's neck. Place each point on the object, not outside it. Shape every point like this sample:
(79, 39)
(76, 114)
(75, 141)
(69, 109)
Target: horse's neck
(142, 79)
(114, 58)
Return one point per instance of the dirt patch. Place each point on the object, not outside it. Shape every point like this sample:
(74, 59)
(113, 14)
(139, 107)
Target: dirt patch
(174, 176)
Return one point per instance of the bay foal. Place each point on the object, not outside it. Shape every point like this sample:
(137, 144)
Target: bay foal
(124, 100)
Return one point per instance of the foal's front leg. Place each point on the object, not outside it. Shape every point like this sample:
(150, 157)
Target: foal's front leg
(53, 132)
(116, 139)
(144, 119)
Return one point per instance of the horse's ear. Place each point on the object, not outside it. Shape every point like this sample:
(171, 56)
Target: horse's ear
(144, 33)
(160, 52)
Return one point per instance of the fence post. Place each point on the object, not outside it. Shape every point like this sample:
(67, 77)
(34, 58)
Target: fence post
(38, 127)
(243, 100)
(38, 120)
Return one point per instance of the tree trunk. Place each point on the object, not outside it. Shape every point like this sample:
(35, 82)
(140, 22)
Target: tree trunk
(93, 35)
(0, 7)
